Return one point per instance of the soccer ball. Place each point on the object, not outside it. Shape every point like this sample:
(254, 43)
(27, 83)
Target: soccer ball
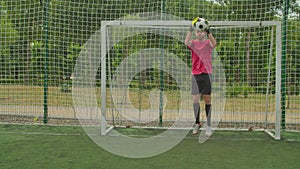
(201, 24)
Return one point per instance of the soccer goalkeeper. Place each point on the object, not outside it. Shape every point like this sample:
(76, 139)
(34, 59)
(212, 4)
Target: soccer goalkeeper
(201, 52)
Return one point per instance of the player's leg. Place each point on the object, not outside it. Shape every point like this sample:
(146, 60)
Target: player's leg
(196, 104)
(207, 100)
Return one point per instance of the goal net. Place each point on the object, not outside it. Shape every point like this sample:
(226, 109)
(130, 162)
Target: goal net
(146, 76)
(123, 62)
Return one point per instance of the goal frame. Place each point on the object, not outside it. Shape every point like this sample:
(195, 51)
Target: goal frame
(130, 23)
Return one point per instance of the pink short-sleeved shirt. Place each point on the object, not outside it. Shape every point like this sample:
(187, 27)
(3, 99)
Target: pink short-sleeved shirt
(201, 56)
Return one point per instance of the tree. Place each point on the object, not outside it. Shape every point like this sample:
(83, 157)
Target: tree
(8, 38)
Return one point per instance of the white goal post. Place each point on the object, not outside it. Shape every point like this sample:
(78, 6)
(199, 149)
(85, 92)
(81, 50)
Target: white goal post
(156, 24)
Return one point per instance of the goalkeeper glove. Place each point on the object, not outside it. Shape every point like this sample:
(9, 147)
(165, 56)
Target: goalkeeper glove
(195, 20)
(191, 28)
(208, 31)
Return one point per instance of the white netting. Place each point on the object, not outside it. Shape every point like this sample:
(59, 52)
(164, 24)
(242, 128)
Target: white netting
(40, 44)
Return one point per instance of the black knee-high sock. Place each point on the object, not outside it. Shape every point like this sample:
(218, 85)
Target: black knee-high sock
(197, 112)
(208, 113)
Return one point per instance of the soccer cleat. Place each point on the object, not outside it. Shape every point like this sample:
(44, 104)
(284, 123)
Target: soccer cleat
(196, 128)
(208, 131)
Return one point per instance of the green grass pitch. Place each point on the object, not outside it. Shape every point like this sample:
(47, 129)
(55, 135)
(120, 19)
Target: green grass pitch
(40, 146)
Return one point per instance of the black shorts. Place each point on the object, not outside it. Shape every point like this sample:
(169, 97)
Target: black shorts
(201, 84)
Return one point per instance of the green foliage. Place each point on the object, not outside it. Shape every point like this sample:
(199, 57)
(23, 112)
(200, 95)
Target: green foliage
(128, 47)
(71, 24)
(66, 66)
(66, 88)
(236, 89)
(8, 38)
(293, 90)
(36, 66)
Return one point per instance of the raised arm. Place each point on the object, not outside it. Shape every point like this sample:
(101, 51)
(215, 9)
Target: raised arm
(188, 37)
(213, 42)
(212, 39)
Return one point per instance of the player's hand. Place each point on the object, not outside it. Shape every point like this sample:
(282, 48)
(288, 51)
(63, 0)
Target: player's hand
(208, 31)
(195, 20)
(191, 28)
